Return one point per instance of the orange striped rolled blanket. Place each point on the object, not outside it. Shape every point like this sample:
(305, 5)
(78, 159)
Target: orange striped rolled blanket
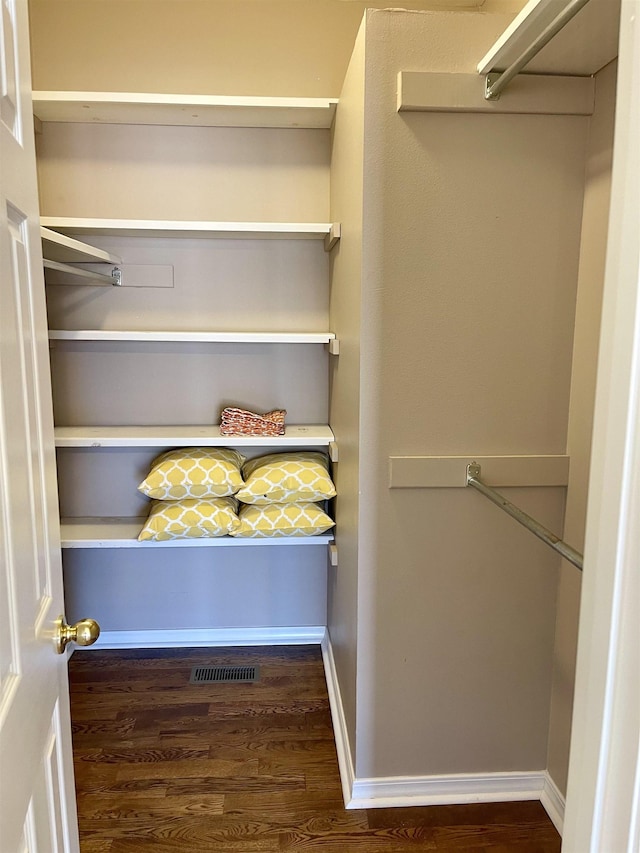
(241, 422)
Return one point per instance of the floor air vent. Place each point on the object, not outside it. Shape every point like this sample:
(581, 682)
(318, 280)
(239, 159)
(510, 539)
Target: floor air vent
(224, 674)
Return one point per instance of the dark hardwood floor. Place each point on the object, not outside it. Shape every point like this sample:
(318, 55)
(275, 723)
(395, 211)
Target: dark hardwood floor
(164, 765)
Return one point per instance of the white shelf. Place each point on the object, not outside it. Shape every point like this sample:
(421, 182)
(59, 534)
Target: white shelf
(186, 436)
(192, 337)
(183, 110)
(63, 249)
(186, 229)
(123, 533)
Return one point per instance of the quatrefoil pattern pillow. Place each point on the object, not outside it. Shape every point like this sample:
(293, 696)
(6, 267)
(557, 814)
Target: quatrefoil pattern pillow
(286, 478)
(194, 472)
(190, 519)
(273, 520)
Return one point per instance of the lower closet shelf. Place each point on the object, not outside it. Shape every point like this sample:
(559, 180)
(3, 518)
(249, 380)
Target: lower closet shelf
(296, 435)
(123, 533)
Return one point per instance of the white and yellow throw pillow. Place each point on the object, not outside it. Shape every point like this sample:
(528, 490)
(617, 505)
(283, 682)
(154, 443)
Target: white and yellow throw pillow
(301, 519)
(191, 518)
(286, 478)
(194, 472)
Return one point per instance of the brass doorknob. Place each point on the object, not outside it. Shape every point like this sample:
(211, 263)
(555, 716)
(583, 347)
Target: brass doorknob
(84, 633)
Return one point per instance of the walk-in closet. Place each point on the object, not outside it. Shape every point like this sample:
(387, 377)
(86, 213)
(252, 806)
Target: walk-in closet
(360, 222)
(454, 320)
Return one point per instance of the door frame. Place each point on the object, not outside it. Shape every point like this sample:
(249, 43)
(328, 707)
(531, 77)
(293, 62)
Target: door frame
(603, 797)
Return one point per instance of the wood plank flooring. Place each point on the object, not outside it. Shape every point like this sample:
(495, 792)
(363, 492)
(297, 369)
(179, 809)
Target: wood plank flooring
(164, 765)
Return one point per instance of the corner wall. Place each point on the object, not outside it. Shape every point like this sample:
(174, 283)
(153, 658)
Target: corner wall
(347, 207)
(471, 241)
(583, 381)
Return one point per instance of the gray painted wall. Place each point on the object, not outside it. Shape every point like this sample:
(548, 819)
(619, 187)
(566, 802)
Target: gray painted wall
(466, 344)
(347, 283)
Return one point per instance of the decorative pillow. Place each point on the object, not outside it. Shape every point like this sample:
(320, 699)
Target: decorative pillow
(194, 472)
(301, 519)
(190, 519)
(286, 478)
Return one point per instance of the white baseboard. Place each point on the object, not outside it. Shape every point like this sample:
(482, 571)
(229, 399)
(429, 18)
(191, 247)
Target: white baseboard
(397, 791)
(553, 802)
(452, 789)
(345, 762)
(189, 637)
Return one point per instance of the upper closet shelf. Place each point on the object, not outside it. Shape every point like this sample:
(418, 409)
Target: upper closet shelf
(192, 337)
(187, 436)
(185, 228)
(184, 110)
(63, 249)
(587, 43)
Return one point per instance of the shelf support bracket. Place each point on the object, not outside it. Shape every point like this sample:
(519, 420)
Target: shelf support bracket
(116, 275)
(333, 451)
(334, 347)
(333, 555)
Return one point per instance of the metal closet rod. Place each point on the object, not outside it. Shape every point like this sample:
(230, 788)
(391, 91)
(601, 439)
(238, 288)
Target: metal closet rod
(569, 553)
(495, 82)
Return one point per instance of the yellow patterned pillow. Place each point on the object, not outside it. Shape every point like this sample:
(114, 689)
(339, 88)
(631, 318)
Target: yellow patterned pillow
(190, 519)
(286, 478)
(194, 472)
(301, 519)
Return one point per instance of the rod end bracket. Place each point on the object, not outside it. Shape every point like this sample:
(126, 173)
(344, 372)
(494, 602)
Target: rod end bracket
(473, 471)
(489, 80)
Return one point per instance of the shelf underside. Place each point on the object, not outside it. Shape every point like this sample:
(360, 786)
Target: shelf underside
(123, 533)
(191, 337)
(183, 110)
(197, 229)
(187, 436)
(61, 248)
(586, 43)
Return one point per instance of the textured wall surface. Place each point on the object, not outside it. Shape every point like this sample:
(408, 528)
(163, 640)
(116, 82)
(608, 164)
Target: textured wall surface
(471, 236)
(347, 281)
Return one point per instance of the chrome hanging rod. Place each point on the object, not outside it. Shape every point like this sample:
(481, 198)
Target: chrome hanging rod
(496, 81)
(569, 553)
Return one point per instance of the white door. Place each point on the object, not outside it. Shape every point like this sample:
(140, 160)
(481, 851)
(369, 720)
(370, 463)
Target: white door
(37, 799)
